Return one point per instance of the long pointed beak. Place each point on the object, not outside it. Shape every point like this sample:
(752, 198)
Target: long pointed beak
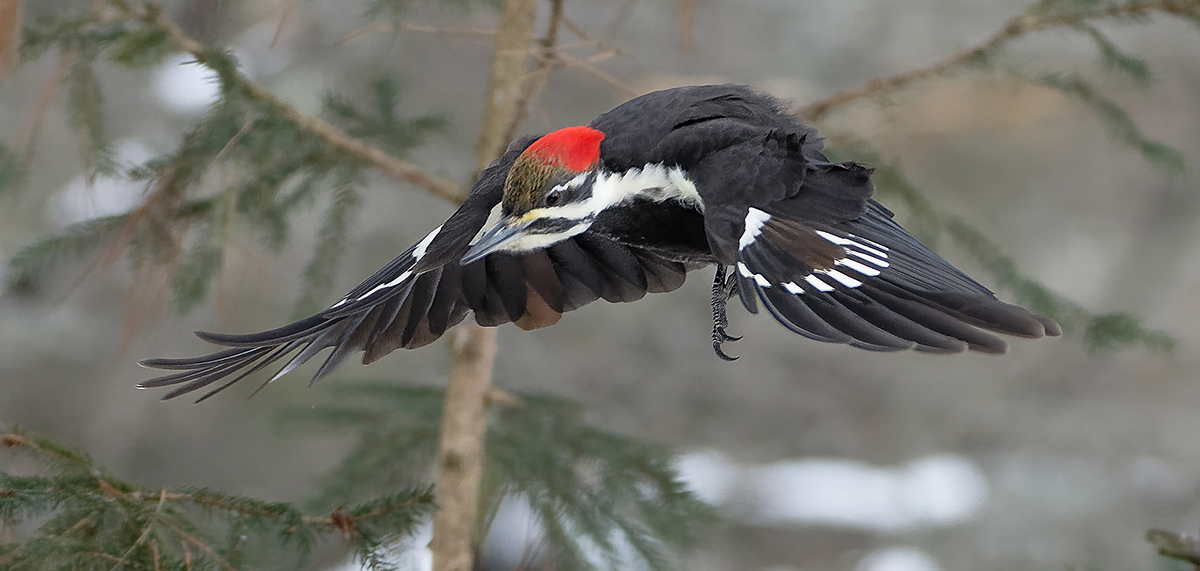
(505, 231)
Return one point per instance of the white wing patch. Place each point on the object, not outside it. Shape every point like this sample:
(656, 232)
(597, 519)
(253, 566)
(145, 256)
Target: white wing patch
(755, 219)
(817, 283)
(842, 278)
(423, 245)
(418, 252)
(760, 279)
(858, 267)
(864, 258)
(867, 246)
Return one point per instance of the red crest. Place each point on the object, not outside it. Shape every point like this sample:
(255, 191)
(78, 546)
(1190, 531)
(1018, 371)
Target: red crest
(574, 148)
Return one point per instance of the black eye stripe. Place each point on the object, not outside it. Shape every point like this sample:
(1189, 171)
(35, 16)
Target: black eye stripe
(553, 225)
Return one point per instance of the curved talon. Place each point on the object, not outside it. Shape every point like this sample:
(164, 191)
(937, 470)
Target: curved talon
(721, 354)
(725, 336)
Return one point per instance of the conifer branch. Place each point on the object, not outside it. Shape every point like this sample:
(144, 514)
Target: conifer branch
(1036, 18)
(400, 170)
(93, 513)
(1179, 546)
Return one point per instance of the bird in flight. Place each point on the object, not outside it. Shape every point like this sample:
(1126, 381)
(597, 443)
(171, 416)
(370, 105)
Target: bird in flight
(663, 184)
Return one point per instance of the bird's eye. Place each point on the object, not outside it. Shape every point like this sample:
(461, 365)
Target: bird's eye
(553, 197)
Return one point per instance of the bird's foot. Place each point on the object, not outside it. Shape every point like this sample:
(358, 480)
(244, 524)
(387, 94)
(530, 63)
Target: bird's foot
(721, 292)
(720, 353)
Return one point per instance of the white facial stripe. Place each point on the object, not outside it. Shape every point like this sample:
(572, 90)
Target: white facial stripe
(792, 287)
(687, 189)
(655, 182)
(842, 278)
(423, 245)
(537, 241)
(571, 211)
(817, 283)
(573, 183)
(860, 268)
(755, 219)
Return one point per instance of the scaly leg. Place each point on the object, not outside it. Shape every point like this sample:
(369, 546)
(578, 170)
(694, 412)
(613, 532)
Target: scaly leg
(722, 290)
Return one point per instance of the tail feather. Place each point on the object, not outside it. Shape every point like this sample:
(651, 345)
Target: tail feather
(193, 362)
(206, 377)
(290, 332)
(192, 372)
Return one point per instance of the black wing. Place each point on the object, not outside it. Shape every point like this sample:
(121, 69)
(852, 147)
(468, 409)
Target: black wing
(830, 263)
(416, 298)
(868, 283)
(804, 235)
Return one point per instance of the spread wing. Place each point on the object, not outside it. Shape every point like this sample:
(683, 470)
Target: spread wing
(830, 263)
(417, 297)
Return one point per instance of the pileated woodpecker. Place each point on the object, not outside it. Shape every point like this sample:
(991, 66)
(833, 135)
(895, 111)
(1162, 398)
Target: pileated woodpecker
(666, 183)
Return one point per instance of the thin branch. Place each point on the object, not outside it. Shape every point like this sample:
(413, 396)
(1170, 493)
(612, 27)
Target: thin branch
(10, 36)
(188, 538)
(585, 36)
(376, 27)
(593, 71)
(1014, 28)
(25, 141)
(400, 170)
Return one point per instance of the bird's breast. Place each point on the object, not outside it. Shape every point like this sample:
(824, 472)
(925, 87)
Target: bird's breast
(669, 227)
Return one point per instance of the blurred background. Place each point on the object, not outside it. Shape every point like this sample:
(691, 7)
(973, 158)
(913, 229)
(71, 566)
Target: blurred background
(819, 457)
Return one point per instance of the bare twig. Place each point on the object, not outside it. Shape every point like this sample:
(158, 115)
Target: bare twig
(25, 141)
(393, 167)
(1014, 28)
(289, 6)
(375, 27)
(585, 36)
(591, 70)
(189, 538)
(460, 450)
(685, 21)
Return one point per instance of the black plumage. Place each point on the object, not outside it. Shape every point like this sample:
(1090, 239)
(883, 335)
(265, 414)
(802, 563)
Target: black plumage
(712, 175)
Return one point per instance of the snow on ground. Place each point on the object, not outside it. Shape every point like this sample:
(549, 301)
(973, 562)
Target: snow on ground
(943, 489)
